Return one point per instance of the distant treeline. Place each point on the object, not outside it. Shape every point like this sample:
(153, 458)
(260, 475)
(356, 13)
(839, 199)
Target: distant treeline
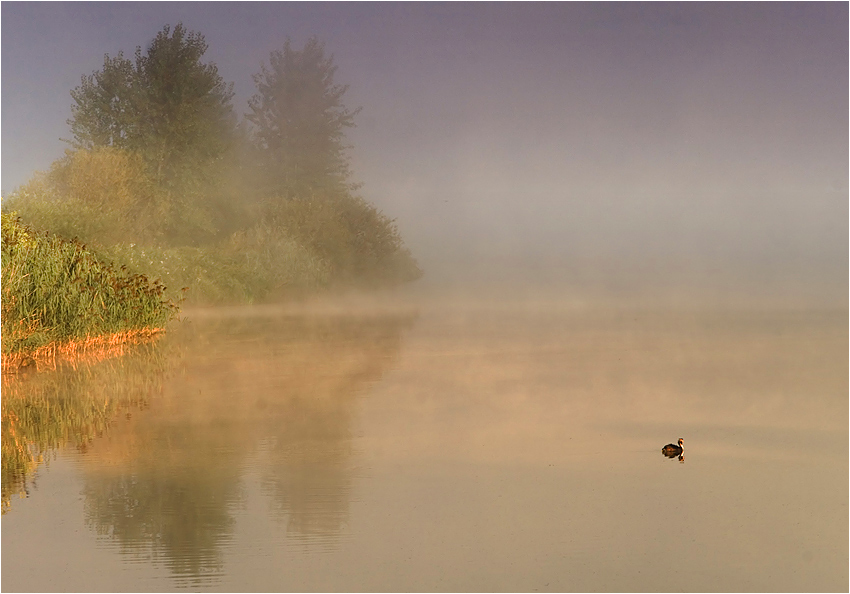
(163, 176)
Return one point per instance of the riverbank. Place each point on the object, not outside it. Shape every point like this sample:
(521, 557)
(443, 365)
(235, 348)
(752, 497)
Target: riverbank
(86, 350)
(60, 300)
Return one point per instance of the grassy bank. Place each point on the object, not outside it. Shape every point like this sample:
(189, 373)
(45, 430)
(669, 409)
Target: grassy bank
(246, 268)
(251, 248)
(56, 294)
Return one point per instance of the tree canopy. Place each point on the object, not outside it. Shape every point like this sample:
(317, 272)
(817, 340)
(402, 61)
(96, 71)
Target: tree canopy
(162, 175)
(166, 105)
(300, 123)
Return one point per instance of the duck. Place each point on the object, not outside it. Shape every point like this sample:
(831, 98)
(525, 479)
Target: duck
(671, 451)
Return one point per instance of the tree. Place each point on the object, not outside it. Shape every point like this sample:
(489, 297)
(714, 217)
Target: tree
(187, 118)
(102, 113)
(300, 123)
(172, 110)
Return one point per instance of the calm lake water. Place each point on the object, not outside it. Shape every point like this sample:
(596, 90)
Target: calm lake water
(439, 445)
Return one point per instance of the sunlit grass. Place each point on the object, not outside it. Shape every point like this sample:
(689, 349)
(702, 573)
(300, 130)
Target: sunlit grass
(251, 266)
(56, 291)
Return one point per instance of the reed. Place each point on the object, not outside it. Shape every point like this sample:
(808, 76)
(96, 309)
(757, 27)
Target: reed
(57, 292)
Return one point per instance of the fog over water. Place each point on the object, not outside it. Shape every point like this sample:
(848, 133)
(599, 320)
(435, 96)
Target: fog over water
(454, 446)
(694, 149)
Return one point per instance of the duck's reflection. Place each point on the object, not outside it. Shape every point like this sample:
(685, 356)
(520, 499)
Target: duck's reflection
(280, 391)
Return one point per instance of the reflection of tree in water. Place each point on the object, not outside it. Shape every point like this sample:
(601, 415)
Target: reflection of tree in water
(307, 471)
(72, 404)
(165, 505)
(288, 383)
(309, 474)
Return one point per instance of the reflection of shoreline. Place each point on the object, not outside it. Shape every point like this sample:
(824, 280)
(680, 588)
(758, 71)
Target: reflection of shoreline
(74, 402)
(86, 351)
(166, 485)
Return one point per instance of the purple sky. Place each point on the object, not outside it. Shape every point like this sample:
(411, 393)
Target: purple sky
(512, 129)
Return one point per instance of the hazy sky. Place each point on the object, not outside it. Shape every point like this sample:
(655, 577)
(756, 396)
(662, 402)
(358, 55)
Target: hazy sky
(518, 130)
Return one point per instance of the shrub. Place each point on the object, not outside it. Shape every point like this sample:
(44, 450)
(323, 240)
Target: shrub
(107, 195)
(360, 244)
(106, 198)
(102, 196)
(253, 265)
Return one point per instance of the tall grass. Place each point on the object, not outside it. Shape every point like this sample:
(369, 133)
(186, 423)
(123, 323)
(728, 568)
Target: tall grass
(251, 266)
(55, 290)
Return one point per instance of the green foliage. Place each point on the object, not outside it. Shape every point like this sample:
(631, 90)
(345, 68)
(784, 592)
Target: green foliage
(360, 244)
(57, 290)
(300, 123)
(163, 180)
(166, 105)
(188, 116)
(173, 111)
(254, 265)
(101, 115)
(103, 195)
(304, 177)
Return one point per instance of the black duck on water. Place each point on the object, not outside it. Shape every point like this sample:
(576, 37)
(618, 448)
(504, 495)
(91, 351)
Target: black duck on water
(671, 451)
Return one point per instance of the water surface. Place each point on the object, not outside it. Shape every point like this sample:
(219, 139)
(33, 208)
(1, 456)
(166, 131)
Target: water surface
(443, 446)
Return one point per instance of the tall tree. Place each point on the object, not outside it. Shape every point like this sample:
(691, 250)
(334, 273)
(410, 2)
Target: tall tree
(186, 116)
(167, 105)
(170, 108)
(300, 123)
(102, 114)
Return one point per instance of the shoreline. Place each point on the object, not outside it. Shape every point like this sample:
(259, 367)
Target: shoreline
(88, 349)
